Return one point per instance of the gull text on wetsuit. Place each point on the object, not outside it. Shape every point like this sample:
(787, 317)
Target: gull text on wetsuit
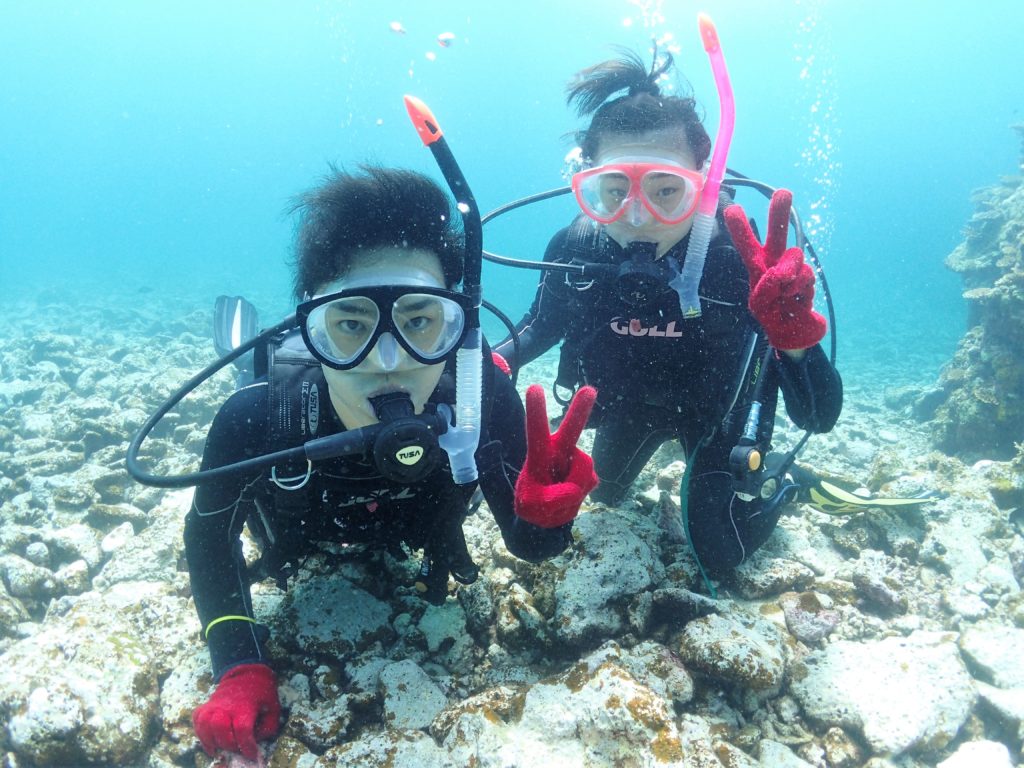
(635, 328)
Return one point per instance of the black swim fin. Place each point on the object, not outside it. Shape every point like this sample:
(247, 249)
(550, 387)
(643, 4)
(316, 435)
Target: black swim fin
(235, 321)
(827, 497)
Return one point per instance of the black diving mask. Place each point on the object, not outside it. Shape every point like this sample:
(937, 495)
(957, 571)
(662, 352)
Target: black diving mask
(341, 328)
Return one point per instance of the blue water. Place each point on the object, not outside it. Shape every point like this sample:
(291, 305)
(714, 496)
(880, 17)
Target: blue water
(154, 146)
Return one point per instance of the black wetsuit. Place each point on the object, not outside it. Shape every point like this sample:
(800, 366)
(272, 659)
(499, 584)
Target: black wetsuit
(345, 499)
(660, 376)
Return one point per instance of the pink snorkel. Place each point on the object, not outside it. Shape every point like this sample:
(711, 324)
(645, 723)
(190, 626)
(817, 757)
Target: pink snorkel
(688, 281)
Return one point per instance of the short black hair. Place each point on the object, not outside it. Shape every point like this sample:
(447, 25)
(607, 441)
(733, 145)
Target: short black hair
(374, 208)
(642, 109)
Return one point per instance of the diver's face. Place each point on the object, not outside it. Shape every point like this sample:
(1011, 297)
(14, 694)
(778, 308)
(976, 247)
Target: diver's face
(388, 367)
(655, 147)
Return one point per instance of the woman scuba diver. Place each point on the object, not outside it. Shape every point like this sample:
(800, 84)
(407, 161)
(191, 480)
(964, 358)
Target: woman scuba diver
(620, 292)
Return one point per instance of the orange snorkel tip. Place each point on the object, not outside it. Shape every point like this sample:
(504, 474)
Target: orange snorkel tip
(708, 33)
(423, 120)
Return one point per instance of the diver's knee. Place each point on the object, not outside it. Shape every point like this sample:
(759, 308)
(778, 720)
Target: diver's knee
(608, 492)
(719, 559)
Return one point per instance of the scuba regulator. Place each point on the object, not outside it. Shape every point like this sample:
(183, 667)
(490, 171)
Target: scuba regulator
(640, 278)
(404, 445)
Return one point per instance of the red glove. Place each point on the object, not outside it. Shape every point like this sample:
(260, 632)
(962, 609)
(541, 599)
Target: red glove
(502, 363)
(243, 710)
(556, 475)
(781, 284)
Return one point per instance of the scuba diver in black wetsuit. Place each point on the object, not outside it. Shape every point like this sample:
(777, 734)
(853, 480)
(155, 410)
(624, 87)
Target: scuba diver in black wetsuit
(706, 372)
(378, 415)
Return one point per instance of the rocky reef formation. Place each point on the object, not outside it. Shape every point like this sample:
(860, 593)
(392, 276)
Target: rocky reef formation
(978, 406)
(889, 639)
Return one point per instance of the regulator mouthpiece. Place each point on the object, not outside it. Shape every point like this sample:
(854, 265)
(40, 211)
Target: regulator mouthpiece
(392, 406)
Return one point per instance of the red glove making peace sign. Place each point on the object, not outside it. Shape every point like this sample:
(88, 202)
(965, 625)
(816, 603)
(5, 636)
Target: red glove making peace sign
(556, 475)
(781, 283)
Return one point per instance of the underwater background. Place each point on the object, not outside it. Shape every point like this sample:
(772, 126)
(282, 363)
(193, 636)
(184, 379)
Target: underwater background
(154, 147)
(148, 156)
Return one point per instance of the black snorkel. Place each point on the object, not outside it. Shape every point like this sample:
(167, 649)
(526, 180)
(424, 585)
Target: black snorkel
(462, 439)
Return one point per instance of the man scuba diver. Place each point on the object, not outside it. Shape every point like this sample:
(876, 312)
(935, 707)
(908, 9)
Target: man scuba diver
(376, 415)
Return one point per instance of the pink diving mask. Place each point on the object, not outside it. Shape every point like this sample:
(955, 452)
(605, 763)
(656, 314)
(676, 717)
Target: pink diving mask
(669, 193)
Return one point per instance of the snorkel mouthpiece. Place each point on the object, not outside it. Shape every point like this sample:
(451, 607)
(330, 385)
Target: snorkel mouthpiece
(688, 281)
(462, 438)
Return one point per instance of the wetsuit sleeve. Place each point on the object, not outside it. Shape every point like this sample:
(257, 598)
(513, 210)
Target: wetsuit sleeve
(544, 325)
(812, 388)
(499, 462)
(220, 585)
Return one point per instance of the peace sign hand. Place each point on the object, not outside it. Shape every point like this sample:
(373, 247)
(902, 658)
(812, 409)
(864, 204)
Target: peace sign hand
(781, 283)
(556, 475)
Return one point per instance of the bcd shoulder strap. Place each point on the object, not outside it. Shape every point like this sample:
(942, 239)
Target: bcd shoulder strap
(297, 392)
(583, 243)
